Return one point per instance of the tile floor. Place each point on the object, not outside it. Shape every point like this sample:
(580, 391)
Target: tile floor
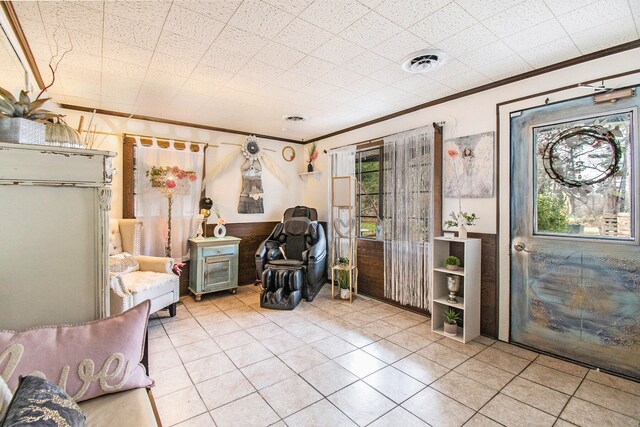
(224, 361)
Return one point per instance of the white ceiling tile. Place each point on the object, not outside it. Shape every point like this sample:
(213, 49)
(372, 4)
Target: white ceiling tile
(605, 35)
(560, 7)
(551, 53)
(435, 91)
(370, 30)
(467, 80)
(367, 63)
(275, 92)
(117, 86)
(193, 25)
(126, 52)
(337, 51)
(280, 55)
(489, 53)
(341, 77)
(303, 36)
(334, 15)
(294, 7)
(399, 46)
(237, 40)
(78, 73)
(82, 87)
(84, 102)
(524, 15)
(207, 88)
(244, 84)
(365, 85)
(412, 83)
(131, 33)
(260, 18)
(163, 79)
(319, 88)
(171, 64)
(390, 74)
(181, 47)
(388, 94)
(122, 69)
(80, 42)
(76, 17)
(366, 103)
(504, 68)
(322, 104)
(343, 95)
(486, 8)
(34, 30)
(27, 11)
(468, 40)
(312, 67)
(535, 36)
(220, 10)
(82, 60)
(407, 12)
(226, 60)
(152, 13)
(115, 106)
(594, 14)
(371, 4)
(293, 80)
(260, 71)
(211, 74)
(443, 23)
(450, 68)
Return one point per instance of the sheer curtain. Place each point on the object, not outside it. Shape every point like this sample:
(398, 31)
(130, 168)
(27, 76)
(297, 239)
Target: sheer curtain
(152, 205)
(342, 162)
(408, 211)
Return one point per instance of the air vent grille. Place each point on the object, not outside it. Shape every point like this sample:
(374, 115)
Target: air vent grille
(424, 61)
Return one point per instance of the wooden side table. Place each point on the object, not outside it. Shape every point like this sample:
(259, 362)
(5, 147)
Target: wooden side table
(214, 265)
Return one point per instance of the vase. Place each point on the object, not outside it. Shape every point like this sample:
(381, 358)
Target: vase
(344, 293)
(220, 231)
(453, 285)
(450, 329)
(22, 131)
(462, 232)
(310, 167)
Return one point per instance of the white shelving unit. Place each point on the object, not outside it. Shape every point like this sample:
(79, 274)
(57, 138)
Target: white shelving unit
(303, 175)
(468, 296)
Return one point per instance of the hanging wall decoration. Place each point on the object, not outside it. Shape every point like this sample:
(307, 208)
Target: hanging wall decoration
(251, 193)
(470, 172)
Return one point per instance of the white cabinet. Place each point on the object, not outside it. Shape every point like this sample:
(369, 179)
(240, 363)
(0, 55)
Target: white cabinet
(54, 209)
(468, 305)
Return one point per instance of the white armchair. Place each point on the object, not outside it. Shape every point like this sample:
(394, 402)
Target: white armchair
(151, 278)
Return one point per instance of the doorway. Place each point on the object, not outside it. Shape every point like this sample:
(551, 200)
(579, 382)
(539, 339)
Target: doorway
(575, 254)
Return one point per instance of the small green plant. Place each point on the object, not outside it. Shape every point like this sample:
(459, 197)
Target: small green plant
(342, 275)
(452, 260)
(451, 316)
(343, 260)
(23, 107)
(469, 219)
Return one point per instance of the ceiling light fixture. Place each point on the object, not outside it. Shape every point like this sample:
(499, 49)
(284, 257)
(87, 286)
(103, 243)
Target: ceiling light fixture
(295, 118)
(424, 61)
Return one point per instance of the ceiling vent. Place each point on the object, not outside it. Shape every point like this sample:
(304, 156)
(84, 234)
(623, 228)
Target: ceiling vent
(424, 61)
(295, 118)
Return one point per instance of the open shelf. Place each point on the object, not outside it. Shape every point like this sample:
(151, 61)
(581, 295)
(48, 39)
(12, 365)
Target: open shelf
(303, 175)
(458, 272)
(444, 301)
(459, 337)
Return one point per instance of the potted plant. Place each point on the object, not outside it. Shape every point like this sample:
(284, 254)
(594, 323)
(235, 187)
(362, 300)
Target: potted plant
(451, 318)
(22, 120)
(313, 155)
(452, 263)
(343, 276)
(462, 220)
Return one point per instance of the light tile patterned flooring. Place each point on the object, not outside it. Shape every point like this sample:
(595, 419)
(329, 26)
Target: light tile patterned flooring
(224, 361)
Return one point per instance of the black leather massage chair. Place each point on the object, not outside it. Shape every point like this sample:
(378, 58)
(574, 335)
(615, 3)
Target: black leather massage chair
(292, 261)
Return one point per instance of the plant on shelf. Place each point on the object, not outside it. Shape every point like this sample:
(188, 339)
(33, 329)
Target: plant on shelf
(343, 276)
(313, 155)
(23, 107)
(451, 318)
(464, 217)
(458, 219)
(452, 263)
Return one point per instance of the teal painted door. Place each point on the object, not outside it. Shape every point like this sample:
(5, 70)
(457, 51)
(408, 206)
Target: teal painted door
(575, 283)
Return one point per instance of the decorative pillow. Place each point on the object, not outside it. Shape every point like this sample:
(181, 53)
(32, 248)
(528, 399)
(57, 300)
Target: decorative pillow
(39, 403)
(5, 398)
(123, 263)
(86, 360)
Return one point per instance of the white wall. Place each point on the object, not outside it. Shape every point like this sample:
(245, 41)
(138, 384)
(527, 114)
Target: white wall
(223, 189)
(467, 116)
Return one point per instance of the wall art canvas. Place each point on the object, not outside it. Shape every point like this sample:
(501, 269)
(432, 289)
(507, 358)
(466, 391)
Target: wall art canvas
(468, 166)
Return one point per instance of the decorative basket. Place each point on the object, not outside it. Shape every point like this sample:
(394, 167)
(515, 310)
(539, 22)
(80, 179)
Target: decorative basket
(22, 131)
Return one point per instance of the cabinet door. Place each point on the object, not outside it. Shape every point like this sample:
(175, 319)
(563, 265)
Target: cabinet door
(217, 273)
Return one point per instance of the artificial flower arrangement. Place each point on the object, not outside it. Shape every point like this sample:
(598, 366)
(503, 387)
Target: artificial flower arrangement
(313, 155)
(169, 178)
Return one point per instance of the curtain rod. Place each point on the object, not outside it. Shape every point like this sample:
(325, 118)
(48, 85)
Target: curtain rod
(436, 125)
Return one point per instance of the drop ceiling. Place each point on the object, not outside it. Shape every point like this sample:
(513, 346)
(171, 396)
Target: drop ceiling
(244, 64)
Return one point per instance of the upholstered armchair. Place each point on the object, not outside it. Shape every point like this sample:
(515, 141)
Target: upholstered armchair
(292, 261)
(135, 278)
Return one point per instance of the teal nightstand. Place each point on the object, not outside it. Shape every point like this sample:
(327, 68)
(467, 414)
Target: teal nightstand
(214, 265)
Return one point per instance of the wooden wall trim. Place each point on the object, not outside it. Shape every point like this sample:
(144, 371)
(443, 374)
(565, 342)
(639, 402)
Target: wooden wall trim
(128, 179)
(11, 15)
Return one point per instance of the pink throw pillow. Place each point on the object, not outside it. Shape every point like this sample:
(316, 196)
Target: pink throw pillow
(85, 360)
